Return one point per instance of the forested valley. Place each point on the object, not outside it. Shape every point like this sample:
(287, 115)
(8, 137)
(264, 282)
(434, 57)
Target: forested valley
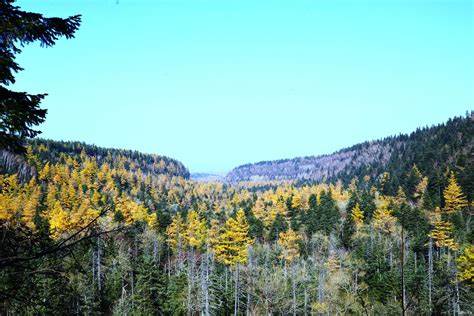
(382, 228)
(87, 230)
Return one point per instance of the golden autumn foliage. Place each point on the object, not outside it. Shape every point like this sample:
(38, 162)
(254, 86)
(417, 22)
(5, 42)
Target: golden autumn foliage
(401, 196)
(233, 242)
(357, 216)
(454, 199)
(134, 212)
(213, 233)
(196, 231)
(58, 220)
(442, 231)
(71, 196)
(420, 188)
(465, 265)
(384, 221)
(288, 241)
(176, 233)
(18, 202)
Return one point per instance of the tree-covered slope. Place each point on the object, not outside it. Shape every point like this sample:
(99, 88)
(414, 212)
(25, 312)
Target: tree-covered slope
(432, 149)
(58, 151)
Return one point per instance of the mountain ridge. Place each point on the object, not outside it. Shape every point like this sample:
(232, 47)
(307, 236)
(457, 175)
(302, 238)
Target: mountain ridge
(350, 162)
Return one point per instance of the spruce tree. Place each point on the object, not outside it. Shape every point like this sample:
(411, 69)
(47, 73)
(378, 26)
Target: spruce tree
(20, 111)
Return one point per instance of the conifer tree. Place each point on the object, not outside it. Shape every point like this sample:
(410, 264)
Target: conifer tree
(454, 198)
(232, 248)
(442, 232)
(357, 216)
(233, 242)
(20, 111)
(195, 230)
(176, 233)
(288, 241)
(329, 213)
(465, 265)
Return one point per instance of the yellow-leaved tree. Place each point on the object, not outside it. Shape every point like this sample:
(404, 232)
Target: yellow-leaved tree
(58, 221)
(18, 202)
(233, 242)
(465, 265)
(176, 233)
(232, 247)
(288, 241)
(357, 216)
(195, 230)
(442, 231)
(133, 212)
(384, 221)
(454, 198)
(454, 201)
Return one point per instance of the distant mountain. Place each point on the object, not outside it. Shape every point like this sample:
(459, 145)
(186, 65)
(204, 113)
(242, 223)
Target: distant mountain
(206, 177)
(58, 151)
(432, 149)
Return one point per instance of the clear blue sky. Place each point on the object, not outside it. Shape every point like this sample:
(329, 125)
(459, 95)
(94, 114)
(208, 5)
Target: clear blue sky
(218, 83)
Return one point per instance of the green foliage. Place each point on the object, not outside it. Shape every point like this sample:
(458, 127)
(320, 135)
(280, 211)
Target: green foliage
(298, 249)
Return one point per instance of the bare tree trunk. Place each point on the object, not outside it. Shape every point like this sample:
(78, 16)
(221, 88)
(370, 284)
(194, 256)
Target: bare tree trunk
(206, 284)
(456, 287)
(93, 266)
(132, 282)
(293, 288)
(155, 249)
(430, 273)
(390, 254)
(236, 293)
(190, 279)
(403, 271)
(249, 284)
(99, 285)
(320, 286)
(305, 301)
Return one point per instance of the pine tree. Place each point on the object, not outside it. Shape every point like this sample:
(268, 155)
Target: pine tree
(357, 216)
(442, 232)
(311, 217)
(454, 199)
(58, 220)
(288, 241)
(279, 225)
(384, 220)
(176, 233)
(195, 230)
(465, 265)
(329, 213)
(232, 248)
(233, 242)
(19, 111)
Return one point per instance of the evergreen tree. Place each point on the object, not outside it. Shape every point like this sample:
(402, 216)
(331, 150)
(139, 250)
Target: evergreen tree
(20, 111)
(329, 213)
(278, 226)
(311, 217)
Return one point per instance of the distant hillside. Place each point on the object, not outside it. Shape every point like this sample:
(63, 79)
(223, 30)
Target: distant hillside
(432, 149)
(206, 177)
(58, 151)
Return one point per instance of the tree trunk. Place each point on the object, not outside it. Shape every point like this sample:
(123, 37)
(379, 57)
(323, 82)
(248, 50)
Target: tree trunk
(99, 285)
(293, 277)
(206, 285)
(430, 273)
(236, 293)
(403, 272)
(190, 279)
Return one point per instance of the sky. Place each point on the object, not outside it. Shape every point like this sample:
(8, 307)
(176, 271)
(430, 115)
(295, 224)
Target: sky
(219, 83)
